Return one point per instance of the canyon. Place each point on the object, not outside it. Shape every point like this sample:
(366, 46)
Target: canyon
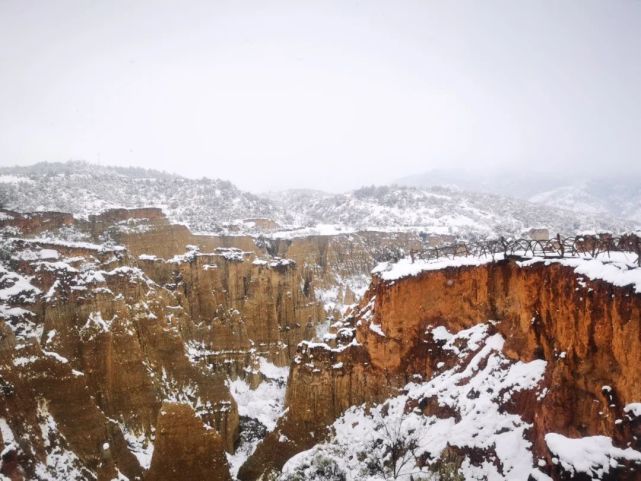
(132, 348)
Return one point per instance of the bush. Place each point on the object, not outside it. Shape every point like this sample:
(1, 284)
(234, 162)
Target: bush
(320, 468)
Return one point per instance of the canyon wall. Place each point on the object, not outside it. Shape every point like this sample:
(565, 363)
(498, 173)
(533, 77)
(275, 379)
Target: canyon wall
(587, 331)
(94, 339)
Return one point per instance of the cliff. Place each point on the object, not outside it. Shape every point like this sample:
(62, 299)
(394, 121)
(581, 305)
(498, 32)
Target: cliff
(586, 331)
(95, 339)
(90, 348)
(185, 449)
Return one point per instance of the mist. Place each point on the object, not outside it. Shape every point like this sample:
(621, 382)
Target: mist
(324, 95)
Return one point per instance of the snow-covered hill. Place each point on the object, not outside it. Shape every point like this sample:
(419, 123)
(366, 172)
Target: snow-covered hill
(208, 205)
(83, 189)
(618, 196)
(444, 210)
(614, 197)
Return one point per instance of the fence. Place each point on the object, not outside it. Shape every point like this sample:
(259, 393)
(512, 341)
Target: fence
(591, 245)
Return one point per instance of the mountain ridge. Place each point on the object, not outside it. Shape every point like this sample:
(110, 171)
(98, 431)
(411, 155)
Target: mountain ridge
(215, 205)
(617, 195)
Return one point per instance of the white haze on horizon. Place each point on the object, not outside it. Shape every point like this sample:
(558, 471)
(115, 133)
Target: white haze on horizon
(329, 95)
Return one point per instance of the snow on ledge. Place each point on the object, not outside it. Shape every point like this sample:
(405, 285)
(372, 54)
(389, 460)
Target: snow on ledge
(391, 271)
(617, 268)
(616, 272)
(592, 455)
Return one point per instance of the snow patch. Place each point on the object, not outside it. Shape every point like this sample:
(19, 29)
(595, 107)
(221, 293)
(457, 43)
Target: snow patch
(592, 455)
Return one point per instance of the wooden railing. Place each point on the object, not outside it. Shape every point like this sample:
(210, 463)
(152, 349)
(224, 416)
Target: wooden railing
(590, 245)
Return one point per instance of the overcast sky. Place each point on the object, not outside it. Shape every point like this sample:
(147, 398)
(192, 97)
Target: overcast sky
(321, 94)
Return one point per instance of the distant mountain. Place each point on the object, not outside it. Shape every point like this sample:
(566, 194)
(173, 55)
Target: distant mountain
(79, 167)
(613, 195)
(444, 210)
(84, 189)
(208, 205)
(508, 183)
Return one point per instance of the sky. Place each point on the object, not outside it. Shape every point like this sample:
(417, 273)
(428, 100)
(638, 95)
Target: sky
(324, 94)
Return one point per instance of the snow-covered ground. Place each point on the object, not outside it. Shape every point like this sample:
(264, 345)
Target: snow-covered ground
(594, 456)
(265, 404)
(333, 298)
(475, 389)
(617, 268)
(402, 439)
(61, 462)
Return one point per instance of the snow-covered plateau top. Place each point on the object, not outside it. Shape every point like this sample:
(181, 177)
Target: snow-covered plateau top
(617, 268)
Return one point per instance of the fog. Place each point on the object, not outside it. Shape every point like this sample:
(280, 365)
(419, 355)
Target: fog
(321, 94)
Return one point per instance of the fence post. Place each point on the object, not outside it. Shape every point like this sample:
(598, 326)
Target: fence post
(504, 244)
(561, 245)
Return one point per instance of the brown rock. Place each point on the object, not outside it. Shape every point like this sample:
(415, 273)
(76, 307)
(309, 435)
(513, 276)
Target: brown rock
(186, 449)
(589, 332)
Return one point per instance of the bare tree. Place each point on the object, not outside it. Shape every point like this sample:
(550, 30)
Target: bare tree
(396, 455)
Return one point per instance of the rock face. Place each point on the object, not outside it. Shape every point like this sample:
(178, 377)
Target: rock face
(588, 332)
(34, 223)
(94, 339)
(337, 267)
(185, 449)
(125, 341)
(99, 331)
(240, 301)
(90, 348)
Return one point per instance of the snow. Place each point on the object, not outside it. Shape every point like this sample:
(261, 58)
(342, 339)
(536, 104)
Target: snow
(333, 298)
(51, 241)
(615, 273)
(476, 388)
(231, 254)
(306, 345)
(61, 463)
(56, 356)
(405, 267)
(617, 268)
(633, 409)
(95, 324)
(316, 230)
(14, 179)
(279, 262)
(16, 288)
(120, 476)
(51, 293)
(440, 333)
(13, 312)
(273, 372)
(265, 403)
(216, 206)
(21, 361)
(539, 476)
(592, 455)
(139, 445)
(38, 254)
(376, 328)
(473, 338)
(8, 438)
